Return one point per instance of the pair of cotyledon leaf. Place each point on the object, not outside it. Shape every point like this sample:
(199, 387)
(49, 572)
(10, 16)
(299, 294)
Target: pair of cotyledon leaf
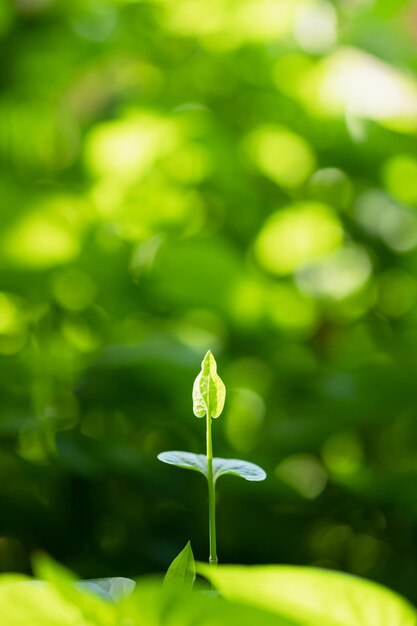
(209, 395)
(198, 462)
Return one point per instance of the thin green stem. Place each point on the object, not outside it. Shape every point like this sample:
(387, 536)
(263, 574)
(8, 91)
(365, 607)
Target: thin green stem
(211, 496)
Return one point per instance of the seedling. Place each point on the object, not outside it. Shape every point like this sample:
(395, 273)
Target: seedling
(209, 394)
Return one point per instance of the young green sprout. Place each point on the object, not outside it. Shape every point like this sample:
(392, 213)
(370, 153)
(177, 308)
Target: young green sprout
(209, 394)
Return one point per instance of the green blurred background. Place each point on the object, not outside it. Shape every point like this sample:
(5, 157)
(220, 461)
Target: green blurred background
(239, 175)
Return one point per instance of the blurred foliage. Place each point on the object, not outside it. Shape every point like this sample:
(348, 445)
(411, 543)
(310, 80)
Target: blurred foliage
(271, 596)
(239, 175)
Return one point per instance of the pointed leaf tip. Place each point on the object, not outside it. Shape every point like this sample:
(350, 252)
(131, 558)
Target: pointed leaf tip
(181, 573)
(209, 392)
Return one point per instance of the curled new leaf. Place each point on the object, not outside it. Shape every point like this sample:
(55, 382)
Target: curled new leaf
(209, 391)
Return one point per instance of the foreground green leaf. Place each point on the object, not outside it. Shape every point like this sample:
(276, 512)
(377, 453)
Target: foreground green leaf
(32, 603)
(150, 605)
(83, 599)
(312, 597)
(198, 462)
(35, 603)
(181, 572)
(59, 599)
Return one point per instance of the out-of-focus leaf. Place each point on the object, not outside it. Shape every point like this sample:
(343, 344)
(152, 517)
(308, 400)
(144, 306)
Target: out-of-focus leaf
(312, 597)
(114, 588)
(59, 582)
(153, 605)
(45, 604)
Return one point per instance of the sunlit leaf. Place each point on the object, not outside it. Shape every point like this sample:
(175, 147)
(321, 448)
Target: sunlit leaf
(41, 604)
(49, 570)
(181, 572)
(209, 391)
(312, 597)
(60, 583)
(152, 605)
(46, 604)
